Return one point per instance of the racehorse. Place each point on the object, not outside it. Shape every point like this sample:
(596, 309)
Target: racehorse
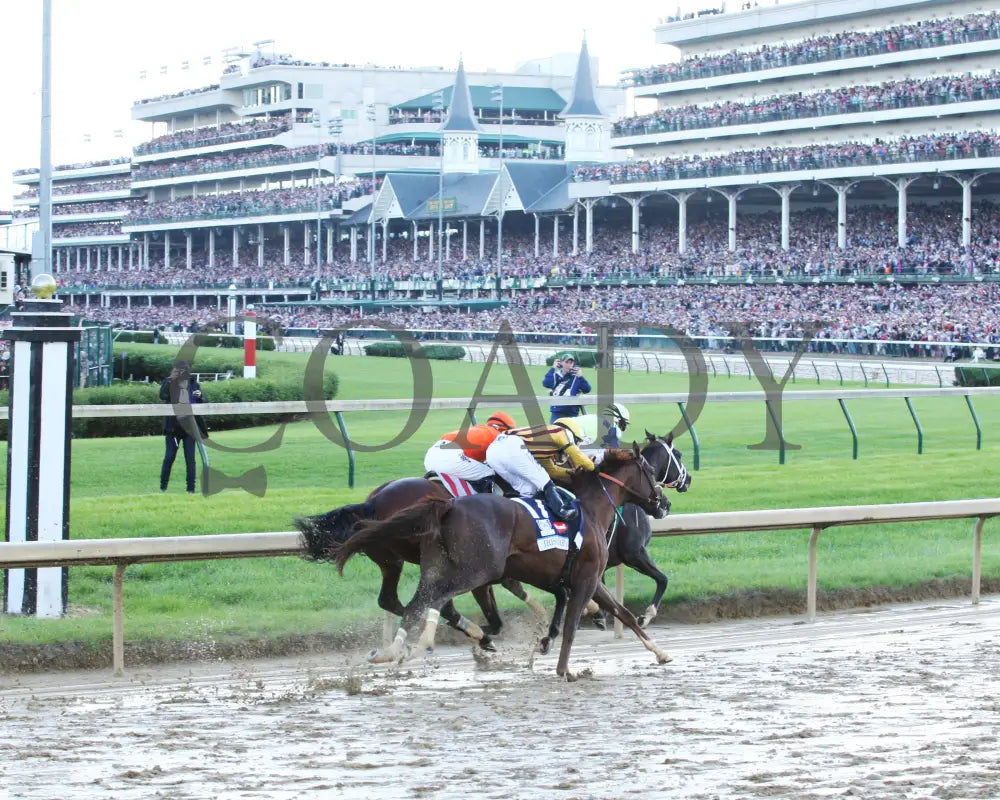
(481, 539)
(324, 532)
(630, 533)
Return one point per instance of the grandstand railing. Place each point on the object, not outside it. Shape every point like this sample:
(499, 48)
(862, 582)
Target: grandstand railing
(121, 553)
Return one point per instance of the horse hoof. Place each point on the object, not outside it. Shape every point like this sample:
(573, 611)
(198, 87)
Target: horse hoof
(487, 644)
(543, 646)
(600, 623)
(378, 657)
(663, 659)
(642, 622)
(571, 677)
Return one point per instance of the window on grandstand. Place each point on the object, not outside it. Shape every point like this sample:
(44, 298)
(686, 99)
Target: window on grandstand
(348, 113)
(266, 95)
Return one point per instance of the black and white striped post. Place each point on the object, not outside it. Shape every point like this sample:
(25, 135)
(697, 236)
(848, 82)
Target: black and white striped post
(38, 450)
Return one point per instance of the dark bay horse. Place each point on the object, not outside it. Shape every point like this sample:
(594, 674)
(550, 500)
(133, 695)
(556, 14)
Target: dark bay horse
(630, 534)
(325, 532)
(482, 539)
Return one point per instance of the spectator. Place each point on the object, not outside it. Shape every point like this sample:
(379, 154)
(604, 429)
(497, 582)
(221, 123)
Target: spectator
(564, 379)
(182, 430)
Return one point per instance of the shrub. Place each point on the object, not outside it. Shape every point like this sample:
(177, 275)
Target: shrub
(440, 352)
(231, 391)
(977, 376)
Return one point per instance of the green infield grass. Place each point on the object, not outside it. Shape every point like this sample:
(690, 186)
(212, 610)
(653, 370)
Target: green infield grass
(115, 493)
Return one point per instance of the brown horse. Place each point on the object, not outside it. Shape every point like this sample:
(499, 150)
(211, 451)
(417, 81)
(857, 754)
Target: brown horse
(325, 532)
(479, 540)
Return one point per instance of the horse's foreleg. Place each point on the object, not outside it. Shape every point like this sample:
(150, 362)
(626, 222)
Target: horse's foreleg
(581, 592)
(642, 563)
(557, 613)
(388, 595)
(607, 601)
(518, 590)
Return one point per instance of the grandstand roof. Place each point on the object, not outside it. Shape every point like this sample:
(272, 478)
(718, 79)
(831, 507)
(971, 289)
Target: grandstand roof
(582, 103)
(469, 193)
(461, 116)
(522, 98)
(535, 185)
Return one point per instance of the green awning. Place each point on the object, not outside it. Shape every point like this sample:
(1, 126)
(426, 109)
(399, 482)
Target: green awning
(522, 98)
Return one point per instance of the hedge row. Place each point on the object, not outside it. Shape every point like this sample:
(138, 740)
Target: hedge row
(231, 391)
(977, 376)
(584, 358)
(439, 352)
(203, 340)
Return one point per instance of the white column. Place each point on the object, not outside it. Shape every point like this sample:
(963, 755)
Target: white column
(305, 243)
(447, 241)
(588, 239)
(576, 228)
(88, 259)
(385, 239)
(465, 240)
(416, 230)
(211, 250)
(841, 216)
(236, 246)
(732, 219)
(131, 257)
(966, 213)
(537, 236)
(189, 261)
(635, 203)
(354, 243)
(901, 187)
(430, 242)
(555, 236)
(286, 232)
(682, 221)
(260, 246)
(329, 244)
(482, 239)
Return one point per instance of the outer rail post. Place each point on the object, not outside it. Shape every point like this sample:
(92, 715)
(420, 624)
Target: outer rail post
(886, 373)
(694, 436)
(839, 373)
(816, 370)
(977, 559)
(850, 423)
(811, 589)
(350, 452)
(975, 419)
(916, 421)
(940, 379)
(620, 597)
(118, 634)
(777, 427)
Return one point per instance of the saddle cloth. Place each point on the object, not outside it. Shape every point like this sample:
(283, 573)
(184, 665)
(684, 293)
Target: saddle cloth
(457, 487)
(551, 534)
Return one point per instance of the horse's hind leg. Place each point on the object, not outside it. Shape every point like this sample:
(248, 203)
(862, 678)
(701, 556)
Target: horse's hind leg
(459, 622)
(557, 613)
(633, 549)
(488, 604)
(388, 595)
(607, 601)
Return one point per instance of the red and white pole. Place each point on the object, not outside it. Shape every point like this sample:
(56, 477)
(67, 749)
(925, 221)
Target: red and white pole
(249, 345)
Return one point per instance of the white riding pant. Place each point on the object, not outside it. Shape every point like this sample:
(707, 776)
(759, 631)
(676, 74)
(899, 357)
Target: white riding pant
(447, 458)
(512, 461)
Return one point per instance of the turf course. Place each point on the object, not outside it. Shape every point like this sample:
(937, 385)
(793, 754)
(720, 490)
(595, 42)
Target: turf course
(115, 494)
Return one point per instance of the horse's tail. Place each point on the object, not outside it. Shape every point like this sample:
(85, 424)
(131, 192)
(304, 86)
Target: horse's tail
(324, 533)
(419, 520)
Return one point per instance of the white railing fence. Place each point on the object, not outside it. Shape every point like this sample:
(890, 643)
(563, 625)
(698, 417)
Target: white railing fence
(120, 553)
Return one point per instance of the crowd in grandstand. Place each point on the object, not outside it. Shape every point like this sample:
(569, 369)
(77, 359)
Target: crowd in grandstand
(107, 162)
(109, 228)
(79, 187)
(844, 100)
(226, 133)
(65, 209)
(184, 93)
(852, 44)
(908, 149)
(249, 203)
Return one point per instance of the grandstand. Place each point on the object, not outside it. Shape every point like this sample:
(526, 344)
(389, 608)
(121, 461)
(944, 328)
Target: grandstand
(842, 106)
(823, 144)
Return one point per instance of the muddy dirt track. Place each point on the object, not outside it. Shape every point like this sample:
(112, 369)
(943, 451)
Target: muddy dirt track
(896, 702)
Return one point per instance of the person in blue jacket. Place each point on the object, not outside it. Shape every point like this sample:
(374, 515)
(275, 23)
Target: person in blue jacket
(564, 380)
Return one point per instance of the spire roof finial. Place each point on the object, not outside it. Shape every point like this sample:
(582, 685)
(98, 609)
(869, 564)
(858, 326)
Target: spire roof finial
(461, 116)
(582, 103)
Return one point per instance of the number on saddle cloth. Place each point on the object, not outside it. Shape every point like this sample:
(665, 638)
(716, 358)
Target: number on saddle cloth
(551, 534)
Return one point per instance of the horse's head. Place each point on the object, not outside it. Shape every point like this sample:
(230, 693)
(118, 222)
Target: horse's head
(637, 477)
(666, 462)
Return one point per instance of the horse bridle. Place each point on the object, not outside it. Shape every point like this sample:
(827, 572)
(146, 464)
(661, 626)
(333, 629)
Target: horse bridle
(682, 472)
(647, 472)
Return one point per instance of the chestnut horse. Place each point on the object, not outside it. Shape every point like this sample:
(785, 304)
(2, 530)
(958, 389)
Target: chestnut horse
(482, 539)
(324, 532)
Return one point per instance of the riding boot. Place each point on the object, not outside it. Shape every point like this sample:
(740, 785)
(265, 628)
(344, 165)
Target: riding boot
(560, 507)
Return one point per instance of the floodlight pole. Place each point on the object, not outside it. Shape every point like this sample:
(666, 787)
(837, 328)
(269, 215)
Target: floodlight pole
(42, 254)
(318, 122)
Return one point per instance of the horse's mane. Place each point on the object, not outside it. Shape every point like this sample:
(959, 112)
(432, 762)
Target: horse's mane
(616, 458)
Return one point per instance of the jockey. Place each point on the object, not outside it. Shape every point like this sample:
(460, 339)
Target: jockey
(526, 459)
(462, 466)
(605, 429)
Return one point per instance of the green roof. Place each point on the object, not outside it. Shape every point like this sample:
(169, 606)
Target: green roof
(491, 137)
(523, 98)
